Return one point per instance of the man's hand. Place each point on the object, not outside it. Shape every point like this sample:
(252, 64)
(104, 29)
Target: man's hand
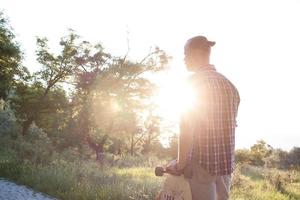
(180, 165)
(171, 168)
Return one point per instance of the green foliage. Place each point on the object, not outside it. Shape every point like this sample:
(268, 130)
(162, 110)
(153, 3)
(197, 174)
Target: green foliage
(278, 159)
(259, 152)
(82, 179)
(243, 156)
(86, 179)
(56, 68)
(49, 114)
(294, 158)
(152, 126)
(8, 123)
(107, 111)
(109, 94)
(257, 183)
(262, 154)
(172, 150)
(32, 161)
(35, 148)
(10, 57)
(40, 94)
(129, 161)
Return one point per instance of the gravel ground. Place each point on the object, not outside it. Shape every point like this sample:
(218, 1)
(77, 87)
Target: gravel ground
(12, 191)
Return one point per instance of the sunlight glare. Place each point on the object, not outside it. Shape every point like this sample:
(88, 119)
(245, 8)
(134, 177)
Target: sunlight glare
(174, 97)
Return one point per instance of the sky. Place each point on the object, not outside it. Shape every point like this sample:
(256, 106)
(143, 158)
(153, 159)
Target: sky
(257, 47)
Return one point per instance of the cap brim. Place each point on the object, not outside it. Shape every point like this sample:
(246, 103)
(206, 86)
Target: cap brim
(211, 43)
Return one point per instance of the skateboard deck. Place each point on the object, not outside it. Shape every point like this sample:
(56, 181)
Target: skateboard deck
(175, 188)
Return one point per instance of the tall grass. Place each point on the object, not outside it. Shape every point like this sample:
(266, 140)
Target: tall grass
(257, 183)
(67, 176)
(89, 180)
(84, 179)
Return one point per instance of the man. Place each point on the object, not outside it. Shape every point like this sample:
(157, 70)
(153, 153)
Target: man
(207, 131)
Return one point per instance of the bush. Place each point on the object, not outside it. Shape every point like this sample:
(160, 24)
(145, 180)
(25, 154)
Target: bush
(239, 181)
(277, 159)
(35, 147)
(242, 156)
(8, 124)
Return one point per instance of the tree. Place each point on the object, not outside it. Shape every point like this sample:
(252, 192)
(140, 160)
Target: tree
(10, 58)
(110, 92)
(173, 148)
(55, 69)
(49, 115)
(277, 159)
(243, 156)
(152, 125)
(259, 152)
(294, 157)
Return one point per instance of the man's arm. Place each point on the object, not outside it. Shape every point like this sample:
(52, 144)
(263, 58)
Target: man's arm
(185, 140)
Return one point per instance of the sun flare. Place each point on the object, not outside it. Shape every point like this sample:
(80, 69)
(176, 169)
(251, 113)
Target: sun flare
(175, 96)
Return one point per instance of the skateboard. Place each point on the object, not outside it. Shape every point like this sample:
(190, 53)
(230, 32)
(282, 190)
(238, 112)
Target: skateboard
(175, 187)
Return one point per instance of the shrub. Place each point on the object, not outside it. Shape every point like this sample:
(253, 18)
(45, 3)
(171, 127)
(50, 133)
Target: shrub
(36, 147)
(243, 156)
(277, 159)
(8, 123)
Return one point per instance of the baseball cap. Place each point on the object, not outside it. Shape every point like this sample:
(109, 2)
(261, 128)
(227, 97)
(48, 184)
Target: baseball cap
(199, 42)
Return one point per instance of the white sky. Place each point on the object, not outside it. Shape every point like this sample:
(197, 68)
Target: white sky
(257, 47)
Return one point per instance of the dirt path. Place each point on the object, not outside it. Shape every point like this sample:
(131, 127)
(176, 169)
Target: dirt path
(12, 191)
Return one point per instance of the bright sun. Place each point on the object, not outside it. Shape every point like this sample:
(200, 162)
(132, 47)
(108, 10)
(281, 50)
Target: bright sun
(175, 95)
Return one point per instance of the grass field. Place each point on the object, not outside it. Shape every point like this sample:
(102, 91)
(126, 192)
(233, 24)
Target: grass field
(88, 180)
(255, 183)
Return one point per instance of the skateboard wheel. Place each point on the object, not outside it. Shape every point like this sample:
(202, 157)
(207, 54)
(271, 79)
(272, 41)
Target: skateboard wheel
(159, 171)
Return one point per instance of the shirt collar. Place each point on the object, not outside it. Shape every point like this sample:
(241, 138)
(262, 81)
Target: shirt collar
(206, 68)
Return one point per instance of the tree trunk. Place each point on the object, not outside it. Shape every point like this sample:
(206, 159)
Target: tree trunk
(131, 145)
(119, 151)
(100, 154)
(97, 147)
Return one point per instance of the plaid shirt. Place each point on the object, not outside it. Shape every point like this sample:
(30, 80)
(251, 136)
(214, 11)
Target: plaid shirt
(215, 121)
